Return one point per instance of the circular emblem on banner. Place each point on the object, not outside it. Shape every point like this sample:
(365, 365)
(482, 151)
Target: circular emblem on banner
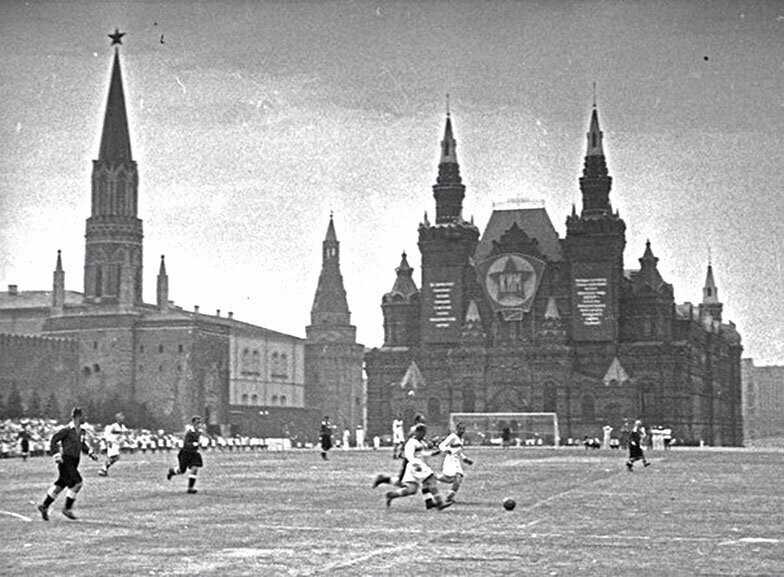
(511, 280)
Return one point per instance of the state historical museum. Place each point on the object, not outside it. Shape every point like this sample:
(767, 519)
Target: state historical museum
(517, 319)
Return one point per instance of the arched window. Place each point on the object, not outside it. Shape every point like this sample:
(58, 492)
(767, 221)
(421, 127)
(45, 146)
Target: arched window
(96, 368)
(245, 398)
(433, 409)
(550, 399)
(274, 400)
(254, 399)
(283, 400)
(98, 281)
(588, 409)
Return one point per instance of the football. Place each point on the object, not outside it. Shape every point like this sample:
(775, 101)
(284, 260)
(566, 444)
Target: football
(509, 504)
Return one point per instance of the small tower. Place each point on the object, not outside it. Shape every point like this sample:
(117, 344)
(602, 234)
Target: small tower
(710, 296)
(113, 239)
(163, 286)
(400, 307)
(58, 287)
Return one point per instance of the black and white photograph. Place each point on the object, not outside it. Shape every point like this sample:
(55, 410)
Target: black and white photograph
(365, 288)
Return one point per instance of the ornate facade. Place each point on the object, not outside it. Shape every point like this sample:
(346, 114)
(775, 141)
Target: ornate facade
(521, 320)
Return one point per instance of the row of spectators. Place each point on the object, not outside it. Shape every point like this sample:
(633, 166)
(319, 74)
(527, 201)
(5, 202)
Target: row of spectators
(40, 431)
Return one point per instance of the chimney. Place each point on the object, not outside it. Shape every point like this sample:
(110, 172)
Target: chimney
(13, 290)
(217, 313)
(196, 309)
(231, 315)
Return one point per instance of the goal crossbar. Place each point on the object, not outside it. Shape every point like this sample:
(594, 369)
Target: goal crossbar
(536, 428)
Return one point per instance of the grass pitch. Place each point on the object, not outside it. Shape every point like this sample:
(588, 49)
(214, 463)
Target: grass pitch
(694, 512)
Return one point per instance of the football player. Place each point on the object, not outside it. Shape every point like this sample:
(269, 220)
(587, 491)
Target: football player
(72, 444)
(452, 468)
(418, 473)
(189, 458)
(112, 435)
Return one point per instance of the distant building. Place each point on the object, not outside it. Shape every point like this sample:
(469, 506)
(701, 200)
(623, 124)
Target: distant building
(763, 400)
(240, 377)
(517, 319)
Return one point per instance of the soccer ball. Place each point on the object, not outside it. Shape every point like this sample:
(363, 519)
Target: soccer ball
(509, 504)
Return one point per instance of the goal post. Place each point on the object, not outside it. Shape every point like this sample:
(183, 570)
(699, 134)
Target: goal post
(522, 429)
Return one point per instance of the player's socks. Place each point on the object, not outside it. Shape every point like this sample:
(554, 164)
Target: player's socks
(44, 512)
(47, 501)
(381, 479)
(69, 503)
(192, 484)
(430, 501)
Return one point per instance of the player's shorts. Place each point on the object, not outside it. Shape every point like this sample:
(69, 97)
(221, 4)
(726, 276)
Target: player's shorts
(113, 450)
(188, 459)
(326, 442)
(416, 472)
(25, 446)
(398, 438)
(452, 466)
(68, 474)
(635, 452)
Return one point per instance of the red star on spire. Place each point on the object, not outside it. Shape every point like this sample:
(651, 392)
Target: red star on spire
(116, 37)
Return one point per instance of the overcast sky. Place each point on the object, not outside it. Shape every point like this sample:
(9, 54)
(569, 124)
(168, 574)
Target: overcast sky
(251, 121)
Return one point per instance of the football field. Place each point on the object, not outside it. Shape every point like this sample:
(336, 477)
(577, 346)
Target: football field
(694, 512)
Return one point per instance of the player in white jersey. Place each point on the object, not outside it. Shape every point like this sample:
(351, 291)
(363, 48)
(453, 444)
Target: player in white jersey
(398, 438)
(452, 469)
(113, 435)
(418, 473)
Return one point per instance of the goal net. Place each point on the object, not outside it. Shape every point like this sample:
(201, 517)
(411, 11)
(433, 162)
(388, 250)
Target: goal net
(512, 429)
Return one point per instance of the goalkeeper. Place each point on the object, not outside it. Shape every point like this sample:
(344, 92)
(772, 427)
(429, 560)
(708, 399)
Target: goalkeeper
(452, 468)
(72, 443)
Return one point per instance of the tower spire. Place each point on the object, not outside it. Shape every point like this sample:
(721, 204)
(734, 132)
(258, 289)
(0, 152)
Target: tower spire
(595, 183)
(163, 285)
(113, 240)
(449, 190)
(330, 305)
(115, 140)
(58, 286)
(710, 296)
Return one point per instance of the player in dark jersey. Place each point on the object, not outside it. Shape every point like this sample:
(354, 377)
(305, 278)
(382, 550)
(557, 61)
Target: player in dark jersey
(189, 458)
(325, 437)
(636, 437)
(24, 441)
(72, 444)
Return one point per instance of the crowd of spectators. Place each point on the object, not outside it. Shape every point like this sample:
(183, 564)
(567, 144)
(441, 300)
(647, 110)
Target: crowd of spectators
(40, 431)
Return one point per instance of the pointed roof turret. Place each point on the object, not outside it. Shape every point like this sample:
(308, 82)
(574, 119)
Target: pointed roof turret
(115, 140)
(649, 273)
(331, 235)
(595, 183)
(59, 265)
(449, 189)
(710, 294)
(404, 286)
(594, 136)
(472, 331)
(330, 305)
(162, 268)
